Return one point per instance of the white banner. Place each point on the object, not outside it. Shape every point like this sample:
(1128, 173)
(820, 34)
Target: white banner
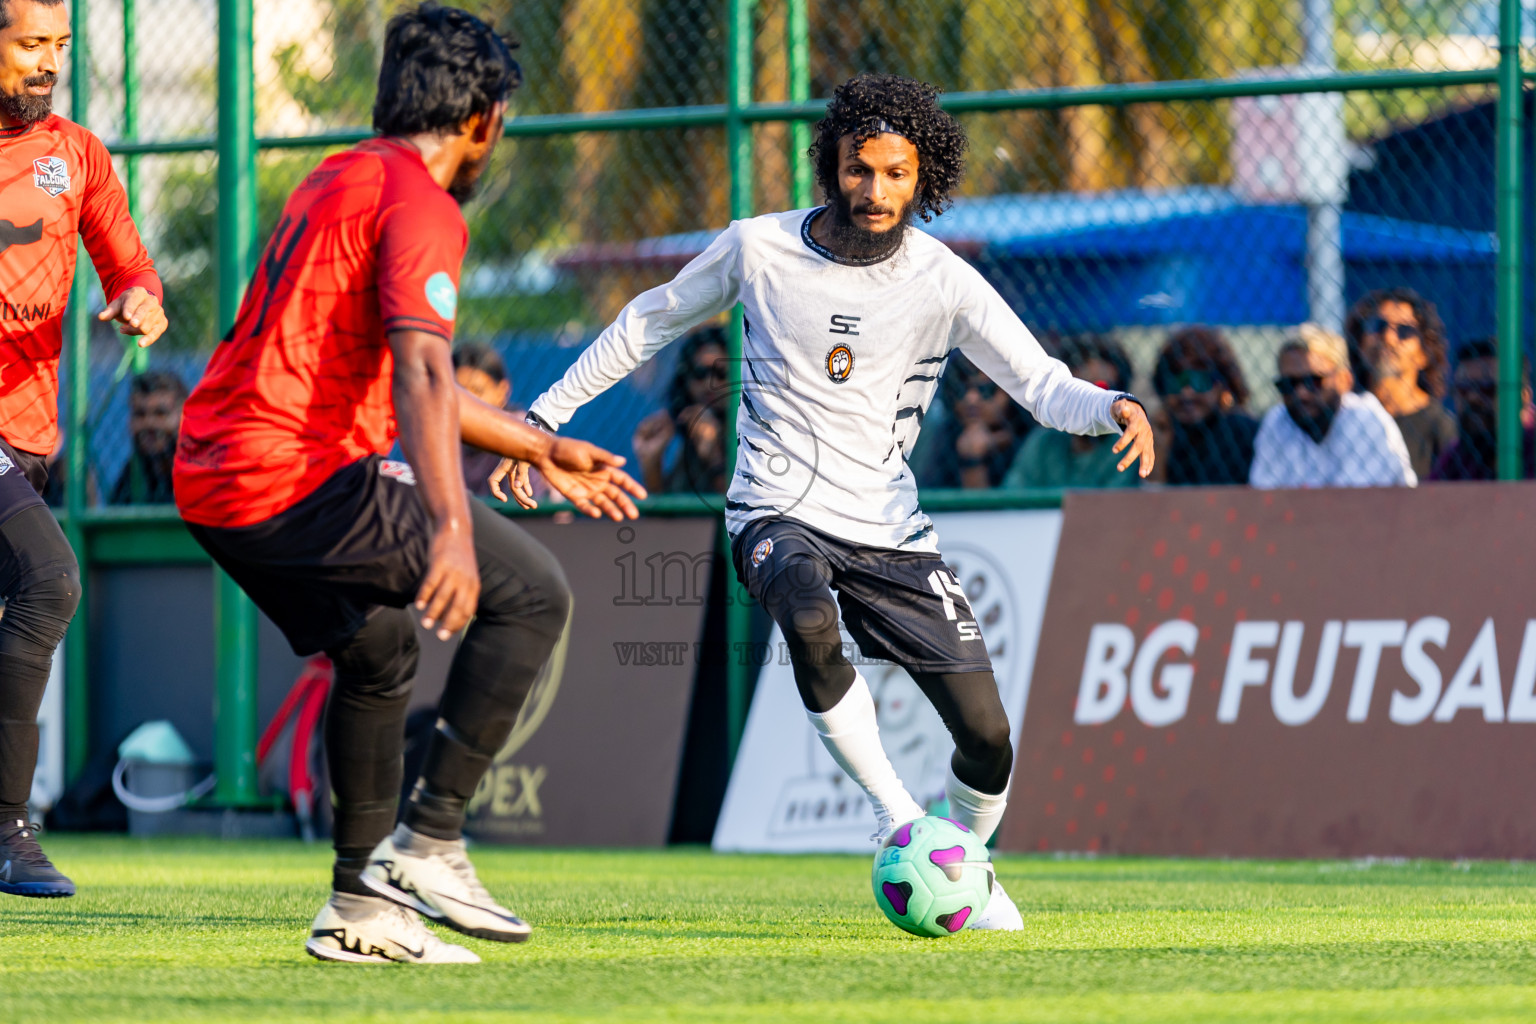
(787, 796)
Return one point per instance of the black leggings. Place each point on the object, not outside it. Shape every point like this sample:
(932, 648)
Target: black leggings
(40, 582)
(524, 605)
(800, 600)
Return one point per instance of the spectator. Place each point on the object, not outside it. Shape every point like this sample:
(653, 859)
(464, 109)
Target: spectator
(1325, 434)
(479, 369)
(695, 412)
(1050, 458)
(974, 432)
(1203, 391)
(1476, 455)
(154, 422)
(1398, 351)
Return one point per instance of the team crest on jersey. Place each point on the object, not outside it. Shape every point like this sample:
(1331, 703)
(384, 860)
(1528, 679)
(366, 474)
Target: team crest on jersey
(840, 363)
(51, 174)
(6, 465)
(396, 470)
(762, 551)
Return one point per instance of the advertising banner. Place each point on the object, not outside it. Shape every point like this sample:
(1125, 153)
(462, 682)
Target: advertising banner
(594, 756)
(1286, 674)
(787, 795)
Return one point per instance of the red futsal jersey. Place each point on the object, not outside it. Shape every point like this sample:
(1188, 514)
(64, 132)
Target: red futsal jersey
(56, 185)
(369, 243)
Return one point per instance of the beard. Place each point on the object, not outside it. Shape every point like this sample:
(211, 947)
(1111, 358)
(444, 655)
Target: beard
(852, 242)
(466, 182)
(22, 107)
(1314, 424)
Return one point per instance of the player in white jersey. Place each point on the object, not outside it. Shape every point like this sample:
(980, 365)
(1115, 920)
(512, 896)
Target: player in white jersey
(851, 313)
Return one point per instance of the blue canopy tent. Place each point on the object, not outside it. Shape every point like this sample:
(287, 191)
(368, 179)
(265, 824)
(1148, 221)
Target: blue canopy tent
(1093, 263)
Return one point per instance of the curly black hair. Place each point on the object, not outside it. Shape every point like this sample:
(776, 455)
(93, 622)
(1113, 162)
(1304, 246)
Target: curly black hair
(441, 66)
(858, 108)
(1431, 337)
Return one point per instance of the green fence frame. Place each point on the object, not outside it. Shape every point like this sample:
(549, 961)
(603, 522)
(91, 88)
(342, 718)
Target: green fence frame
(105, 537)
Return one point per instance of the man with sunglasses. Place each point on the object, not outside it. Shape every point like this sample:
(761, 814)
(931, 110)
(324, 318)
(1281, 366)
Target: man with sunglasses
(1324, 434)
(1476, 390)
(1398, 354)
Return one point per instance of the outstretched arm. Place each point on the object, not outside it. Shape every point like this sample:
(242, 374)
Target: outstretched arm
(991, 334)
(586, 474)
(706, 287)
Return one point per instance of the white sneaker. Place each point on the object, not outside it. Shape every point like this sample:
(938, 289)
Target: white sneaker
(1000, 914)
(436, 879)
(368, 930)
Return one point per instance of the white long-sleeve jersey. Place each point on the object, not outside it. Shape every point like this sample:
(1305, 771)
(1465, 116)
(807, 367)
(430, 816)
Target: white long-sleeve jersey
(841, 361)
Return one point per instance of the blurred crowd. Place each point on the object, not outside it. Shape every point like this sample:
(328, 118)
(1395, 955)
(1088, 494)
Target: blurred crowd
(1387, 403)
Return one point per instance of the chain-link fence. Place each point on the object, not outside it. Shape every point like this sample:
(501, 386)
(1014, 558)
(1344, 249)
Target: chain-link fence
(1170, 246)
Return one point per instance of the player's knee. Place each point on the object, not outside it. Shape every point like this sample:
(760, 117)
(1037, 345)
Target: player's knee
(379, 661)
(985, 740)
(40, 610)
(537, 595)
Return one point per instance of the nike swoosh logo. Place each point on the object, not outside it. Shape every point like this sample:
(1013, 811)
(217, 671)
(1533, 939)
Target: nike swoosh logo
(414, 954)
(510, 918)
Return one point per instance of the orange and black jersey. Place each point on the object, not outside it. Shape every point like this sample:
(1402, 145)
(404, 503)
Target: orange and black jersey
(56, 184)
(367, 244)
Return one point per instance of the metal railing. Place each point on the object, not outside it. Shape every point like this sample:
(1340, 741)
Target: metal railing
(105, 536)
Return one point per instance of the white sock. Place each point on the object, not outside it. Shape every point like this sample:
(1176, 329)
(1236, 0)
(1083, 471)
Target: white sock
(851, 735)
(980, 812)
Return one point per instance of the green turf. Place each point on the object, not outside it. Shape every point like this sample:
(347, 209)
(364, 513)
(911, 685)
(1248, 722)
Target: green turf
(200, 930)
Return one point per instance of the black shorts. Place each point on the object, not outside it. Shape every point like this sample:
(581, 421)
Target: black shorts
(22, 479)
(904, 607)
(362, 540)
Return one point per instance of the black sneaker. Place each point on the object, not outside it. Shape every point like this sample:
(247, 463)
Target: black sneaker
(25, 869)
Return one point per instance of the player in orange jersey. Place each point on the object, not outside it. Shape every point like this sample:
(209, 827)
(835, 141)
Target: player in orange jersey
(342, 341)
(56, 186)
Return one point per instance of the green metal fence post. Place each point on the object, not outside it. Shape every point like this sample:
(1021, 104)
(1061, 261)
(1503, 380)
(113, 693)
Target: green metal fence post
(131, 132)
(738, 141)
(234, 617)
(1511, 244)
(799, 32)
(77, 648)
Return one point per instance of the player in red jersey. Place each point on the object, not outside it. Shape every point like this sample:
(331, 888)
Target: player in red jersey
(343, 338)
(56, 186)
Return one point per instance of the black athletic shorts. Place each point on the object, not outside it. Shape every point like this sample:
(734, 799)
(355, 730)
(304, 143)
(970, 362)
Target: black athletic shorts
(362, 540)
(22, 479)
(904, 607)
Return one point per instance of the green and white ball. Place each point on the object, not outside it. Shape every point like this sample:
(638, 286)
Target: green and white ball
(932, 876)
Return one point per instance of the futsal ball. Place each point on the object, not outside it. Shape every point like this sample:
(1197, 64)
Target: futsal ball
(932, 876)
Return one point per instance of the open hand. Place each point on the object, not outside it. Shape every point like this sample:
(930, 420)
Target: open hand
(139, 312)
(591, 478)
(451, 591)
(1136, 437)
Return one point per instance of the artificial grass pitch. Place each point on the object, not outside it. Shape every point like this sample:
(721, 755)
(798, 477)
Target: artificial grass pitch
(202, 930)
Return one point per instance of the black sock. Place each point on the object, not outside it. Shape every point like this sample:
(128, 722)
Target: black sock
(346, 873)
